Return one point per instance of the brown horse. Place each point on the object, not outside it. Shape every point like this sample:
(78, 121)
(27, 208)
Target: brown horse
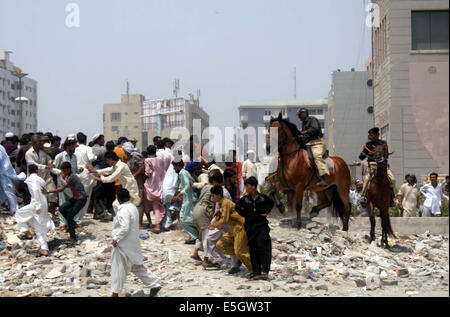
(296, 175)
(379, 195)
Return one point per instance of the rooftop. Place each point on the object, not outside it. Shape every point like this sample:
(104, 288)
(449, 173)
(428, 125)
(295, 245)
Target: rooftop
(283, 103)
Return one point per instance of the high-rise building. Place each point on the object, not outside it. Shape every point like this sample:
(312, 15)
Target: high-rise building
(161, 116)
(411, 84)
(350, 113)
(10, 117)
(124, 119)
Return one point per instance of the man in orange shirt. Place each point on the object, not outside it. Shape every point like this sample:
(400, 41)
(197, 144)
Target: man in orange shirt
(119, 151)
(121, 154)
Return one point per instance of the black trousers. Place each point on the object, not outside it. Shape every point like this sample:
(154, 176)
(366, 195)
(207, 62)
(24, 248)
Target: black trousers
(69, 210)
(103, 195)
(260, 245)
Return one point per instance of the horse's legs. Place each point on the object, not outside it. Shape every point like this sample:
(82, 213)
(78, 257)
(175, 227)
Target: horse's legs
(299, 205)
(344, 193)
(372, 221)
(384, 238)
(323, 202)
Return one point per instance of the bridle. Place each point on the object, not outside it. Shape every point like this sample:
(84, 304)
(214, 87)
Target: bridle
(283, 145)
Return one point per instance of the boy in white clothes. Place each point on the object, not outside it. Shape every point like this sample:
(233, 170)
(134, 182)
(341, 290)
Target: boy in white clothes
(35, 214)
(127, 253)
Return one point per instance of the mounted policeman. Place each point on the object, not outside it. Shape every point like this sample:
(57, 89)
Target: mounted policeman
(369, 152)
(311, 135)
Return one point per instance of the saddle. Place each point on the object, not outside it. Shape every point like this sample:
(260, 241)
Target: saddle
(309, 159)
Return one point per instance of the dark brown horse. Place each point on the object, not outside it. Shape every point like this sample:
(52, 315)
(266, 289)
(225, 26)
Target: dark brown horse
(295, 174)
(379, 195)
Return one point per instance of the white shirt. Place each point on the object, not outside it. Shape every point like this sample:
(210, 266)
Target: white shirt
(40, 159)
(126, 233)
(38, 202)
(84, 155)
(433, 197)
(171, 184)
(249, 169)
(409, 196)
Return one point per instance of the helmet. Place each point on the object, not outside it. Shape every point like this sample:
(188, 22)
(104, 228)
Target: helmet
(303, 110)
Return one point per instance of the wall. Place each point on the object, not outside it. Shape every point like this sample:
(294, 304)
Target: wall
(130, 124)
(348, 101)
(408, 98)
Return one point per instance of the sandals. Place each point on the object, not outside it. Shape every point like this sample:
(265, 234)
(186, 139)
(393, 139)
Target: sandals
(196, 258)
(262, 277)
(211, 266)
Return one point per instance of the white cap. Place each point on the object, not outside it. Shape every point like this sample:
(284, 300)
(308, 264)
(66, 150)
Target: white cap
(47, 145)
(9, 135)
(95, 137)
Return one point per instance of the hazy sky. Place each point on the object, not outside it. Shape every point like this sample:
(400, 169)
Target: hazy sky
(233, 50)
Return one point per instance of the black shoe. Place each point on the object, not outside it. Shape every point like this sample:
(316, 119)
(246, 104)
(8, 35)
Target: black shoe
(155, 291)
(234, 270)
(322, 182)
(190, 241)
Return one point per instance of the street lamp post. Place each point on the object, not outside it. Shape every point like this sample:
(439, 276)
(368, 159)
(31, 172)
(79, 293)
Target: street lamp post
(20, 99)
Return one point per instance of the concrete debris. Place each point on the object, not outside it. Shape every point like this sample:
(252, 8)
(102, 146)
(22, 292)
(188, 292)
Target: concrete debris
(318, 261)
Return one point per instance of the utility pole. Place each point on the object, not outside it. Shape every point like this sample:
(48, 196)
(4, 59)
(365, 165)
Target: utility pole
(20, 100)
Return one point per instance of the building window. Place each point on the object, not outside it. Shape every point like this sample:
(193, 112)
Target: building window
(385, 133)
(115, 129)
(116, 116)
(429, 30)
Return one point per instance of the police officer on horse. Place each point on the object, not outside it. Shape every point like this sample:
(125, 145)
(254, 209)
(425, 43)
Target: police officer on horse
(311, 134)
(369, 151)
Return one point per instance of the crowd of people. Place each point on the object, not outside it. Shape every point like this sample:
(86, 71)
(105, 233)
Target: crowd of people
(58, 183)
(408, 200)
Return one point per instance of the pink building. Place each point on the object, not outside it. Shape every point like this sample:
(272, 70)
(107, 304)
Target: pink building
(411, 84)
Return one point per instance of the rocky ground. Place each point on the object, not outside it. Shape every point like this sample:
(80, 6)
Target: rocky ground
(318, 260)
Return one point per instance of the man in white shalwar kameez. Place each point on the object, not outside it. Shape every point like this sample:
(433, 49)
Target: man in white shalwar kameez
(433, 197)
(35, 215)
(85, 157)
(127, 253)
(7, 176)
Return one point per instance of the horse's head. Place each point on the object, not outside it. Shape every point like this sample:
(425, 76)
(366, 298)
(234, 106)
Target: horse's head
(380, 155)
(286, 133)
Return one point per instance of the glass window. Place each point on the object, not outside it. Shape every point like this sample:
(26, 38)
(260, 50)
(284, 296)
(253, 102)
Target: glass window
(429, 30)
(115, 116)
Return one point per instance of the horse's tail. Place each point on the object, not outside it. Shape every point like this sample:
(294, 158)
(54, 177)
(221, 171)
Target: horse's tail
(337, 205)
(388, 228)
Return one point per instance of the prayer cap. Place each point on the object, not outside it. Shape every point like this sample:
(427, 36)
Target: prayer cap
(95, 137)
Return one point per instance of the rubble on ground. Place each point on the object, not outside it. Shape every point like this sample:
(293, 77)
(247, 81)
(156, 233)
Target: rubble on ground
(318, 260)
